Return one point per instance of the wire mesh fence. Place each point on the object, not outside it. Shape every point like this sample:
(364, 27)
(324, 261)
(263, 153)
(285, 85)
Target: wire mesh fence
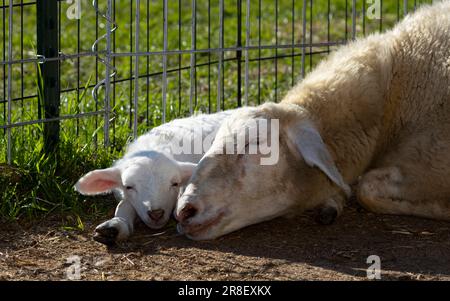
(99, 73)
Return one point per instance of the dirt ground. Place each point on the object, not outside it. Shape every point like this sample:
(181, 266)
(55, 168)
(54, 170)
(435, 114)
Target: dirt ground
(283, 249)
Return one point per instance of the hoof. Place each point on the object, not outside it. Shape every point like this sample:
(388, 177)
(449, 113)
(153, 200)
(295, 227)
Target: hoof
(106, 236)
(326, 215)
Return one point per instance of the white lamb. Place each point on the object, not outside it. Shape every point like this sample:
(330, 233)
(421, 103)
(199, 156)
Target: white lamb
(149, 176)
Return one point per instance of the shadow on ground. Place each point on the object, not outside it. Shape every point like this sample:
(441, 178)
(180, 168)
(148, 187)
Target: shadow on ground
(283, 249)
(405, 245)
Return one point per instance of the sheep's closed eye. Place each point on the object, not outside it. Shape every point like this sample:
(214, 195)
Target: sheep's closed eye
(129, 188)
(175, 184)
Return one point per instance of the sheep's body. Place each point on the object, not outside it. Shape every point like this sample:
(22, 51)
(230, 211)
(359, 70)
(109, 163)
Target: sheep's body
(166, 137)
(377, 110)
(145, 177)
(383, 106)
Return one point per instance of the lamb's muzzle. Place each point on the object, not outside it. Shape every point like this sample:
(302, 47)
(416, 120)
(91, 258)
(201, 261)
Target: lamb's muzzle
(156, 215)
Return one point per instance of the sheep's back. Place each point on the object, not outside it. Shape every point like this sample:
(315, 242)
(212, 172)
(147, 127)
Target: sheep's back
(163, 138)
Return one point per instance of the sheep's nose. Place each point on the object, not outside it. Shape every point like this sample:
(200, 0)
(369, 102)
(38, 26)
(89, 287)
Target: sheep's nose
(156, 215)
(186, 213)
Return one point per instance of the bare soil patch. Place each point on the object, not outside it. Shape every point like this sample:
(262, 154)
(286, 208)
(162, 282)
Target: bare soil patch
(283, 249)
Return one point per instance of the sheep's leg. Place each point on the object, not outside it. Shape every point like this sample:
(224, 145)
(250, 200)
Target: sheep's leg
(330, 210)
(402, 191)
(118, 228)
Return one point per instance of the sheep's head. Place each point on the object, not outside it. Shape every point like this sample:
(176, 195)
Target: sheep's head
(150, 181)
(229, 191)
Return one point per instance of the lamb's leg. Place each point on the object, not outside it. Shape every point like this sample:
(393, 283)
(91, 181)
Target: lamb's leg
(391, 190)
(119, 228)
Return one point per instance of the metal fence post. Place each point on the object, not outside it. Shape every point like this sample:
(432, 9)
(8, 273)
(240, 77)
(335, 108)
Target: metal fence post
(109, 30)
(47, 45)
(239, 52)
(247, 58)
(193, 69)
(9, 89)
(136, 69)
(221, 57)
(303, 37)
(165, 47)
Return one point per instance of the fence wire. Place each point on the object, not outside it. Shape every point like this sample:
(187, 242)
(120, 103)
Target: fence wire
(127, 66)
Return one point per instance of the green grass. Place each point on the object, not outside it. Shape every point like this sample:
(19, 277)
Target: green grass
(36, 186)
(41, 185)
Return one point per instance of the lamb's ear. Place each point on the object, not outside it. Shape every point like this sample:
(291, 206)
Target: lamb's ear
(99, 181)
(304, 138)
(186, 169)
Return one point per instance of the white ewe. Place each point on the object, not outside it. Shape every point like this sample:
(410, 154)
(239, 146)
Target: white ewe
(376, 111)
(149, 176)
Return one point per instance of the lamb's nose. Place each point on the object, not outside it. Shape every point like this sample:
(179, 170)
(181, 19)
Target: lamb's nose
(156, 215)
(186, 213)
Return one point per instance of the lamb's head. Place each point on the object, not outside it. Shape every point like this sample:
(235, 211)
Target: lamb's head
(150, 181)
(230, 191)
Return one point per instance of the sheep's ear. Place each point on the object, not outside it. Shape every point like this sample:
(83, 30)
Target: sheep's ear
(304, 138)
(99, 181)
(186, 171)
